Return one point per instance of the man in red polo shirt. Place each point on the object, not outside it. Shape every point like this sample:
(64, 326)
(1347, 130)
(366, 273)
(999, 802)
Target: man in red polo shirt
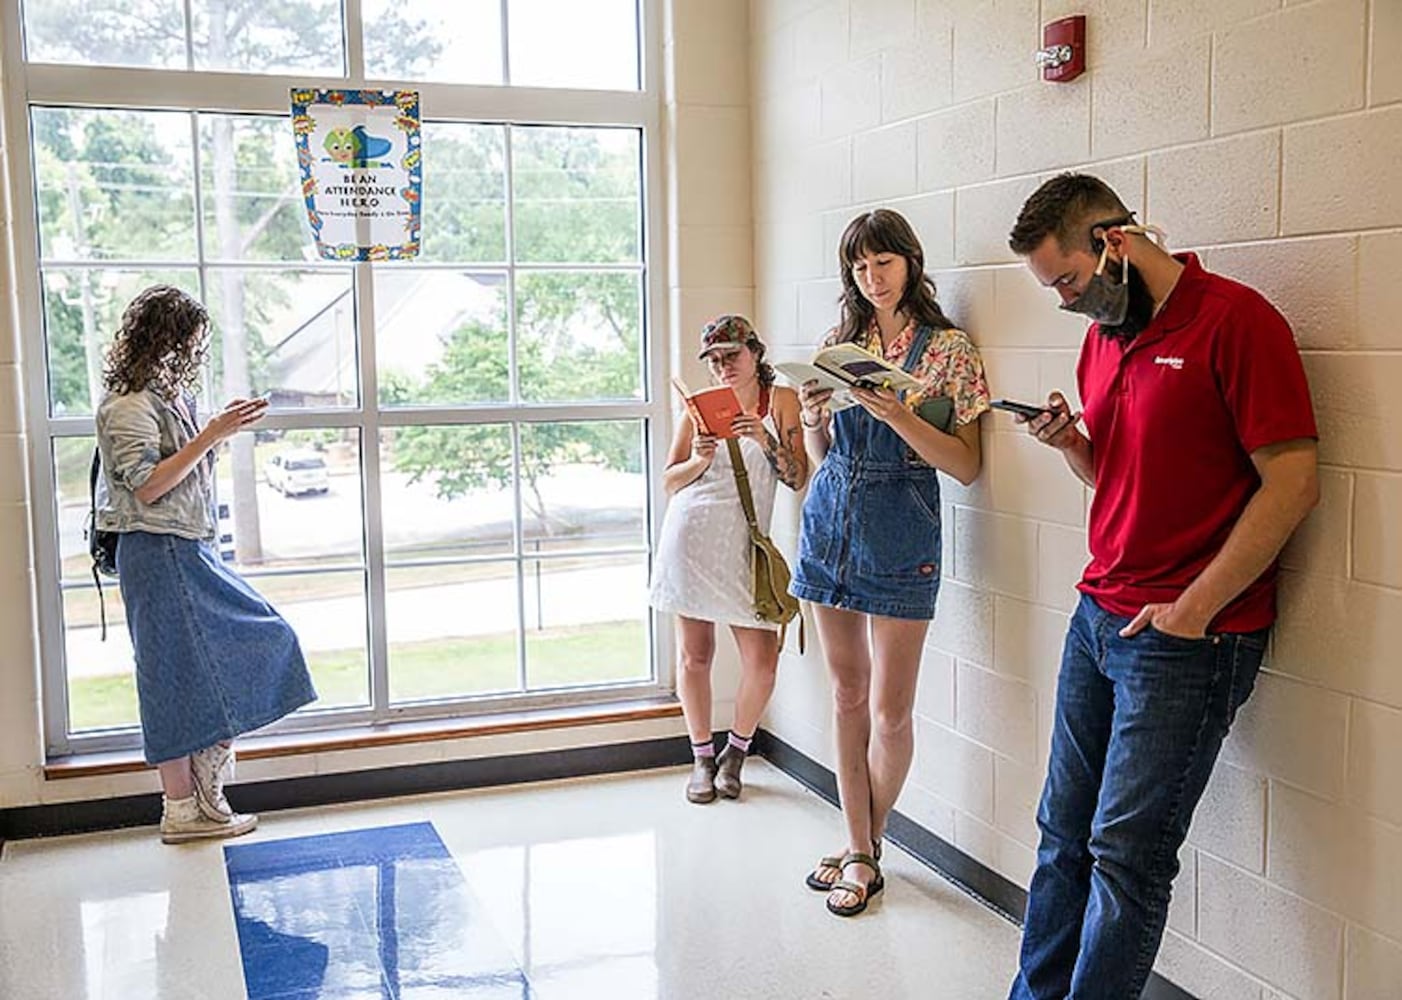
(1200, 445)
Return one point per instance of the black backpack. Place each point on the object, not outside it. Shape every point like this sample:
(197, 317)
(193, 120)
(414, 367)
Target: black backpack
(102, 545)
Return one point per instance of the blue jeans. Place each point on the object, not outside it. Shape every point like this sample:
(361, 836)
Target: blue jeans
(1139, 723)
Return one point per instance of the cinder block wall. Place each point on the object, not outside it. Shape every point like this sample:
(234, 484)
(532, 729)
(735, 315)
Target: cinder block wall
(1266, 135)
(710, 220)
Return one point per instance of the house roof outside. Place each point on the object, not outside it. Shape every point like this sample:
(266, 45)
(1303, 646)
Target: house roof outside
(417, 311)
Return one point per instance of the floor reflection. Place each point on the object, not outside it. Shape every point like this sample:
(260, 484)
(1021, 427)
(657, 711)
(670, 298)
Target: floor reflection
(380, 913)
(581, 915)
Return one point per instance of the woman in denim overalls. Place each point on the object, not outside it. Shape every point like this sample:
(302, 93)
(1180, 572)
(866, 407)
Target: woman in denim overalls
(869, 546)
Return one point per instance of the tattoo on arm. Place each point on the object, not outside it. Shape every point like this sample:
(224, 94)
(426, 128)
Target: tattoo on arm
(781, 456)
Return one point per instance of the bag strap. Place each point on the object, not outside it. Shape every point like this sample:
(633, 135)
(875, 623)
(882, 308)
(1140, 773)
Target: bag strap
(92, 527)
(802, 639)
(92, 479)
(742, 482)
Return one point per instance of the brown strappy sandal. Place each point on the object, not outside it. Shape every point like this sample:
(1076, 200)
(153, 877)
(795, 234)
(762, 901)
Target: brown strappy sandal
(864, 893)
(834, 861)
(818, 885)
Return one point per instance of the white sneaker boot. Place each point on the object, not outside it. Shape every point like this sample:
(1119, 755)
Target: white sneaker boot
(213, 768)
(185, 819)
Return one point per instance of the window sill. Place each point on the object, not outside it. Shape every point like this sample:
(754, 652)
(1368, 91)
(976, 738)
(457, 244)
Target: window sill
(394, 734)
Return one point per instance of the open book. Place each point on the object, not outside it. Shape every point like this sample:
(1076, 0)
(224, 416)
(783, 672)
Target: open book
(842, 366)
(712, 408)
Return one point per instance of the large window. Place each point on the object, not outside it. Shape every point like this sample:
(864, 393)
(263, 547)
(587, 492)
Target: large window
(590, 44)
(450, 497)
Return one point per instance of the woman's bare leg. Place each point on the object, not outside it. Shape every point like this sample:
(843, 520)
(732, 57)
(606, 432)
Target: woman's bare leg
(759, 666)
(845, 647)
(897, 646)
(176, 780)
(696, 641)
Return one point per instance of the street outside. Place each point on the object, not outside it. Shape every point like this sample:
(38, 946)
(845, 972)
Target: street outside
(328, 529)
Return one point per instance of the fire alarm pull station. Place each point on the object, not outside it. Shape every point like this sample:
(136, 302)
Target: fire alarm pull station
(1063, 53)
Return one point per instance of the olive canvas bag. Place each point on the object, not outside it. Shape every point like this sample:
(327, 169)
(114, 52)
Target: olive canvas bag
(769, 573)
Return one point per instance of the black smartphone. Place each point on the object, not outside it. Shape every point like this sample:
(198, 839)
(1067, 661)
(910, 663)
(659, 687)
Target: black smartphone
(1021, 409)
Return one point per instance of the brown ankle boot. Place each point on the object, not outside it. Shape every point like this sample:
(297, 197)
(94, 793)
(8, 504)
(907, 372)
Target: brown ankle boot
(702, 786)
(728, 766)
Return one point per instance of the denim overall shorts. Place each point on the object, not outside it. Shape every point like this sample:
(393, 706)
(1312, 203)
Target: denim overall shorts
(870, 535)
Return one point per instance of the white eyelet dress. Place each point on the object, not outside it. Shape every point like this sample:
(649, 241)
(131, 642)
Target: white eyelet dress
(702, 569)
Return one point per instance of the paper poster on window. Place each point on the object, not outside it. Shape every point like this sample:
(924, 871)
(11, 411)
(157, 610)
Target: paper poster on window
(360, 155)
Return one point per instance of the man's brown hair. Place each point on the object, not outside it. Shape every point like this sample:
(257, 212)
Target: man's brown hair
(1068, 206)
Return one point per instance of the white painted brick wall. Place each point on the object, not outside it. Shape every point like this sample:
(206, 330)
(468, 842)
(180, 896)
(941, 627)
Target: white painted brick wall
(1266, 134)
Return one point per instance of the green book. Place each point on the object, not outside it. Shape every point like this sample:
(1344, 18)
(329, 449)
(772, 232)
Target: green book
(937, 411)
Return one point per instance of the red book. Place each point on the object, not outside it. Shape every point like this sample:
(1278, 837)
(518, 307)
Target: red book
(712, 409)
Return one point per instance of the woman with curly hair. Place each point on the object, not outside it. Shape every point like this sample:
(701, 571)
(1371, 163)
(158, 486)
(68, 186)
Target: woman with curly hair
(213, 659)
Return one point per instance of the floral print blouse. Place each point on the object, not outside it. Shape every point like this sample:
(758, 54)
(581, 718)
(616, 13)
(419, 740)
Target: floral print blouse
(951, 367)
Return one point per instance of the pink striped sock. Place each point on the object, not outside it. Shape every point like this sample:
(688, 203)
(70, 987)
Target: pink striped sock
(707, 749)
(740, 743)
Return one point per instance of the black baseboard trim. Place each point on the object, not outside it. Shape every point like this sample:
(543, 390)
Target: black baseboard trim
(999, 894)
(91, 816)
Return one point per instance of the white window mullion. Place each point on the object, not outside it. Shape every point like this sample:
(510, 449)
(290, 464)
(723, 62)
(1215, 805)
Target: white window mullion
(513, 366)
(189, 35)
(376, 584)
(231, 92)
(202, 272)
(28, 313)
(355, 41)
(656, 314)
(508, 175)
(519, 535)
(506, 42)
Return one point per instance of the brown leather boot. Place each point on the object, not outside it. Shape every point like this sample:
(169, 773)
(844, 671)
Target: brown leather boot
(702, 786)
(728, 766)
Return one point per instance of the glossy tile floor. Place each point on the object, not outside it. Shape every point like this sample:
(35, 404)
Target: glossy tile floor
(595, 888)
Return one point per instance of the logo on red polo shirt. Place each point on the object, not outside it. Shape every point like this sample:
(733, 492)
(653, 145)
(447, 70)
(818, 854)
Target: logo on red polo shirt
(1175, 363)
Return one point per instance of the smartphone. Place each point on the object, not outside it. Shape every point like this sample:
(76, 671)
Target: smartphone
(1026, 410)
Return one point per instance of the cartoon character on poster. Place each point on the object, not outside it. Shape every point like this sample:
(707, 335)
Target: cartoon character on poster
(360, 156)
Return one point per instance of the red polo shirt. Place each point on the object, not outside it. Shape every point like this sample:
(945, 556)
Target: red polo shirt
(1174, 417)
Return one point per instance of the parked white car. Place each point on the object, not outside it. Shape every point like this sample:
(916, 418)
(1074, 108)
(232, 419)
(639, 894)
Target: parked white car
(296, 473)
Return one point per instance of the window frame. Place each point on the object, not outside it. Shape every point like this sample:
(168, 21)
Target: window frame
(187, 90)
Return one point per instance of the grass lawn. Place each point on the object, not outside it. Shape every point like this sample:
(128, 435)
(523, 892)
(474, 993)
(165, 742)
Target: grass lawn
(596, 654)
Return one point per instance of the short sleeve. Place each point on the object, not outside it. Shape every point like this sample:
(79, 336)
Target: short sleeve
(1262, 377)
(953, 367)
(129, 428)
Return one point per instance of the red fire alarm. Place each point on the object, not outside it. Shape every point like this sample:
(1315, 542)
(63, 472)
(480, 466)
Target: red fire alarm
(1063, 53)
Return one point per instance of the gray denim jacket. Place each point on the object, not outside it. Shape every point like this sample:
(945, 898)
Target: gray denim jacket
(135, 431)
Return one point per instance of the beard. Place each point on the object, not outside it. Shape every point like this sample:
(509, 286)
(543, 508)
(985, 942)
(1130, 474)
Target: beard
(1139, 314)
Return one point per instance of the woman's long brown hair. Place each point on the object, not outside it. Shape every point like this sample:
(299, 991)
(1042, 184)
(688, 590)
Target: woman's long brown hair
(885, 231)
(160, 344)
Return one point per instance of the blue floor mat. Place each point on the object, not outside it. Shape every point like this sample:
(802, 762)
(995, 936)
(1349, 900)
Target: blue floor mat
(377, 914)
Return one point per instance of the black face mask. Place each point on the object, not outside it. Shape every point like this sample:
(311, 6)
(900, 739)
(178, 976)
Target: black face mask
(1139, 309)
(1120, 304)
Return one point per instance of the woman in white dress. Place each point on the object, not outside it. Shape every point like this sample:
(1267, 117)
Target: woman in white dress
(702, 570)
